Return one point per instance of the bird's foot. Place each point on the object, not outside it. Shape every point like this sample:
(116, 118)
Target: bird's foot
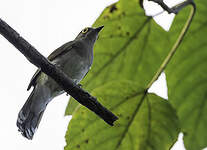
(80, 85)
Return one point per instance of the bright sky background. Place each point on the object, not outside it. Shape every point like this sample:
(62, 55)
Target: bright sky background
(46, 24)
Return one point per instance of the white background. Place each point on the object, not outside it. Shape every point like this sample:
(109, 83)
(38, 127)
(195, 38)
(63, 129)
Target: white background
(46, 24)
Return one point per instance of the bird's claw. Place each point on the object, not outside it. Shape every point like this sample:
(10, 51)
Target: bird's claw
(80, 85)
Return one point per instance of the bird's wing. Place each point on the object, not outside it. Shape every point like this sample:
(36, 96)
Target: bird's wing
(58, 52)
(61, 50)
(34, 78)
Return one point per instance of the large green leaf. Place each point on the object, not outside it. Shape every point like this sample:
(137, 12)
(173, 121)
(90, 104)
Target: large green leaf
(187, 81)
(72, 106)
(146, 121)
(124, 49)
(131, 46)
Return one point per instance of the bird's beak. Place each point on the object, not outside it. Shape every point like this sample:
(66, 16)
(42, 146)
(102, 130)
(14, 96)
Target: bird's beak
(99, 28)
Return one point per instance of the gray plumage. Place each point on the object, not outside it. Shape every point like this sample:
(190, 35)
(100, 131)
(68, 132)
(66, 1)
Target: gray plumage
(75, 59)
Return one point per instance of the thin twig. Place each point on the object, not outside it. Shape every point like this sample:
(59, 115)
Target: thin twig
(58, 75)
(174, 9)
(163, 5)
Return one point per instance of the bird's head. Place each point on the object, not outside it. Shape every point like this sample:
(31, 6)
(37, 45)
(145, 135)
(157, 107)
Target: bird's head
(90, 34)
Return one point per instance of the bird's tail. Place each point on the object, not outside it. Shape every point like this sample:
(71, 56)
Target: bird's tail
(28, 120)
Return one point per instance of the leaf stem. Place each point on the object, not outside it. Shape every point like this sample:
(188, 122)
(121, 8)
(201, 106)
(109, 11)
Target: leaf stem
(176, 45)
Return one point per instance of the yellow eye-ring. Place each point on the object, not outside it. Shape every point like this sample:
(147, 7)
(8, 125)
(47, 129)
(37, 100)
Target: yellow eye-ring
(85, 30)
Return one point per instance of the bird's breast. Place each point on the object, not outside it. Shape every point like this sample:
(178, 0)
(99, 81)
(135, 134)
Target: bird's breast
(75, 66)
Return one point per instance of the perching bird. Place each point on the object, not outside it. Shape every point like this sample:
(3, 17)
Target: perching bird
(75, 59)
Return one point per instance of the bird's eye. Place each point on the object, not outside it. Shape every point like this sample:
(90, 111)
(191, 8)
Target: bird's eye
(85, 30)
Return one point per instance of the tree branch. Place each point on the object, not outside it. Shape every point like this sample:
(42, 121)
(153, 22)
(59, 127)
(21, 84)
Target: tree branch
(174, 9)
(58, 75)
(163, 5)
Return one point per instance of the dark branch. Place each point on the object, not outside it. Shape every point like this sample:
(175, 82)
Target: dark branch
(59, 76)
(163, 5)
(174, 9)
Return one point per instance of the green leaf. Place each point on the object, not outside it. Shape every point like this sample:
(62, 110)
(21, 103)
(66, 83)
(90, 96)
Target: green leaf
(123, 49)
(146, 121)
(72, 106)
(131, 46)
(187, 81)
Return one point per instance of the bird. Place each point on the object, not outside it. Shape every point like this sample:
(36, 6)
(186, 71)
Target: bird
(75, 59)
